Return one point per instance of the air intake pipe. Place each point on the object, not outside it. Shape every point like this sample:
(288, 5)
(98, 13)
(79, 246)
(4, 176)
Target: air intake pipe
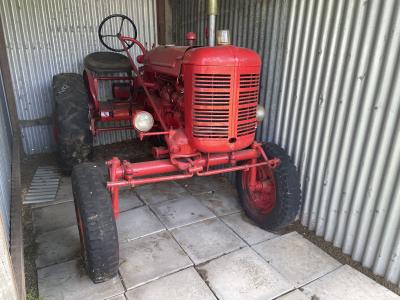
(212, 13)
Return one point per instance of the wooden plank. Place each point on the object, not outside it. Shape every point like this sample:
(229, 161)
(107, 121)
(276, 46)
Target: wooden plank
(16, 238)
(8, 289)
(17, 244)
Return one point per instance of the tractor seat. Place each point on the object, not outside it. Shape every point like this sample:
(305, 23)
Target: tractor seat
(107, 62)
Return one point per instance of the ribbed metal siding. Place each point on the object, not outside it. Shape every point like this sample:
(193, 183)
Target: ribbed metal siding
(5, 161)
(46, 37)
(330, 84)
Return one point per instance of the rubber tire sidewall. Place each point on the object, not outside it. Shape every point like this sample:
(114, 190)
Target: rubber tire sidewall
(288, 194)
(93, 203)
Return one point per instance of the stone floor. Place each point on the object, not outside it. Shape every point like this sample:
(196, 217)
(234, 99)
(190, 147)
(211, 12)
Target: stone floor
(190, 240)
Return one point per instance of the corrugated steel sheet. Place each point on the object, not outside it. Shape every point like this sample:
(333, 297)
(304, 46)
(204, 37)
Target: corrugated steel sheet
(5, 161)
(46, 37)
(330, 84)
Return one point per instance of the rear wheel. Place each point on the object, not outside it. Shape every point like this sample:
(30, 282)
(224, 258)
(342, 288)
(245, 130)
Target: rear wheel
(96, 222)
(71, 120)
(276, 201)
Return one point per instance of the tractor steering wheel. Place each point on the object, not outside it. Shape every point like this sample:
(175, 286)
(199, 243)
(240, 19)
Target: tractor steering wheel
(115, 27)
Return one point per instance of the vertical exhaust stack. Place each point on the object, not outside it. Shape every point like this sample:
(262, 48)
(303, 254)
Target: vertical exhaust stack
(212, 12)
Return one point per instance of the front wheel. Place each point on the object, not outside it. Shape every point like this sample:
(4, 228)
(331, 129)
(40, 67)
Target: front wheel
(276, 200)
(96, 222)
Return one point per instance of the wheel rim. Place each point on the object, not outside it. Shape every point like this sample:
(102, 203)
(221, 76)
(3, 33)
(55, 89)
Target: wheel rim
(263, 195)
(81, 235)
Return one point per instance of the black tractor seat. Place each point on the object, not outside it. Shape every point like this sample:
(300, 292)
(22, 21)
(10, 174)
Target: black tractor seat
(107, 62)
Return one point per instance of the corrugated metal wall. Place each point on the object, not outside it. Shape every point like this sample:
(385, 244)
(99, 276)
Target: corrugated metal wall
(46, 37)
(5, 161)
(330, 83)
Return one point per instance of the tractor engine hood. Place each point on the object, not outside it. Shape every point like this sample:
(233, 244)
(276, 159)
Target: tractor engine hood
(169, 59)
(227, 56)
(165, 60)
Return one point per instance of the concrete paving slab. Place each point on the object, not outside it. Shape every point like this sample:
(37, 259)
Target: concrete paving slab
(207, 240)
(149, 258)
(346, 283)
(57, 246)
(243, 275)
(296, 258)
(53, 217)
(161, 191)
(295, 295)
(136, 223)
(185, 284)
(221, 202)
(246, 229)
(69, 281)
(128, 200)
(180, 212)
(199, 185)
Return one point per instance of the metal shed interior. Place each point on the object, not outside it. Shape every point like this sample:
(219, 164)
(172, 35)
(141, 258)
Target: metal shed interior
(329, 85)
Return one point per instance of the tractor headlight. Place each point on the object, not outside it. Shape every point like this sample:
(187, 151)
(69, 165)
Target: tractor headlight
(143, 121)
(260, 113)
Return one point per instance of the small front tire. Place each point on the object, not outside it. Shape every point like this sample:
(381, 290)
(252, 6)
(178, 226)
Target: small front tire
(96, 222)
(278, 203)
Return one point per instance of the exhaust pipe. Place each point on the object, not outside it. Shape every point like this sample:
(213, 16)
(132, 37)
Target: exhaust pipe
(212, 12)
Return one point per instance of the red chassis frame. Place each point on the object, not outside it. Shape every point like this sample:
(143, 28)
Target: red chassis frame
(177, 166)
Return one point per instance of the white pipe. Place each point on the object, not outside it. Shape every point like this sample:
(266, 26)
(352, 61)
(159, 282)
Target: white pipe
(211, 30)
(212, 12)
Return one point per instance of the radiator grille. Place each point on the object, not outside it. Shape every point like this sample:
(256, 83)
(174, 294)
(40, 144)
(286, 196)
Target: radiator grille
(211, 105)
(249, 80)
(212, 96)
(248, 99)
(212, 81)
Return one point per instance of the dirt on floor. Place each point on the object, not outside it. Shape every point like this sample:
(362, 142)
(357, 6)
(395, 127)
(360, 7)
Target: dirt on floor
(28, 167)
(140, 151)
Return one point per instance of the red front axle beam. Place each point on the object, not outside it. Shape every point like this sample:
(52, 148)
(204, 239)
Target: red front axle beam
(133, 174)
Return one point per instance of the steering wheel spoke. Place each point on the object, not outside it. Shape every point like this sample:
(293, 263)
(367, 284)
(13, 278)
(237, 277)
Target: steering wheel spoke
(122, 24)
(108, 35)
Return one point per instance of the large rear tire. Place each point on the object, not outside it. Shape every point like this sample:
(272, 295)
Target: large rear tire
(277, 203)
(71, 120)
(96, 222)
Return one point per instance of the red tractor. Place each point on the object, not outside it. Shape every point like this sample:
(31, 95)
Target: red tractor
(201, 100)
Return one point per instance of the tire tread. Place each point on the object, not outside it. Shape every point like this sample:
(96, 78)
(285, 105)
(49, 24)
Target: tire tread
(71, 110)
(94, 204)
(288, 200)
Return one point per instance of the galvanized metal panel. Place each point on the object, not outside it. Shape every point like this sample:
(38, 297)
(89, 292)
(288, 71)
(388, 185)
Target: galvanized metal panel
(5, 161)
(44, 185)
(47, 37)
(330, 84)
